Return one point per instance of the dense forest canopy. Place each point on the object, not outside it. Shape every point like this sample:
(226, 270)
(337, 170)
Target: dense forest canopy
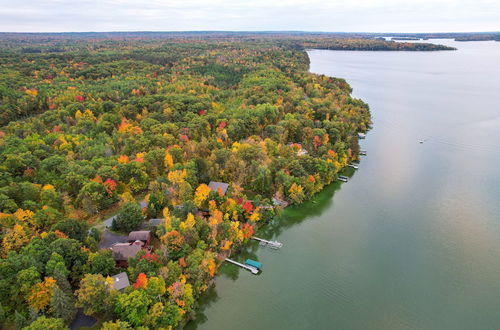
(90, 126)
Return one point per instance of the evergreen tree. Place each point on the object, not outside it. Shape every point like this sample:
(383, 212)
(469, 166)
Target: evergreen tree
(62, 305)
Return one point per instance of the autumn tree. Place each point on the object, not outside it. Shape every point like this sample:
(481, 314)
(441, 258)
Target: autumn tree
(201, 194)
(95, 294)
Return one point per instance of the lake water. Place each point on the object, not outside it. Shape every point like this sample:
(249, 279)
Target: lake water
(412, 241)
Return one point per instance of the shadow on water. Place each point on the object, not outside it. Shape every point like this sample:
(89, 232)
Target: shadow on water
(291, 216)
(294, 215)
(207, 298)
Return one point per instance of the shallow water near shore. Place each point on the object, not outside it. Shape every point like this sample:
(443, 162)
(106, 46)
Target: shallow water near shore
(412, 241)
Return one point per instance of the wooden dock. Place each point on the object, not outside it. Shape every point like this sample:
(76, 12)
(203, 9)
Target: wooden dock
(253, 270)
(272, 244)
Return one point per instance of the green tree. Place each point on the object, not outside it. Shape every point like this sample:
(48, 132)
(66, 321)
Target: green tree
(76, 229)
(46, 323)
(116, 325)
(129, 218)
(101, 262)
(56, 264)
(133, 307)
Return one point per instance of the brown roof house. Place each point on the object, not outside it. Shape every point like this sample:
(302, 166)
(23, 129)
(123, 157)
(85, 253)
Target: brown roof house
(215, 186)
(143, 236)
(123, 251)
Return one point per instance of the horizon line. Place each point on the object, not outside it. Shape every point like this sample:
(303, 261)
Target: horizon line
(243, 31)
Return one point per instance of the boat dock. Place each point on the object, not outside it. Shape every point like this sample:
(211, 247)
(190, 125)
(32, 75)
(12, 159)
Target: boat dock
(355, 166)
(252, 269)
(272, 244)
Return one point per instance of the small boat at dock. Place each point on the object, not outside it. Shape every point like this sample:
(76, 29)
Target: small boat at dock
(343, 178)
(253, 263)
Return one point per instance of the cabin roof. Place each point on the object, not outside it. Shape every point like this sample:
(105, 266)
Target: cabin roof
(123, 251)
(141, 235)
(120, 281)
(214, 186)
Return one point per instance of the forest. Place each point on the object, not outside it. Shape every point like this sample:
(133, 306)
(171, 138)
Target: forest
(91, 126)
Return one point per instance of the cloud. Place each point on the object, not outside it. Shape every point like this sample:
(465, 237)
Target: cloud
(311, 15)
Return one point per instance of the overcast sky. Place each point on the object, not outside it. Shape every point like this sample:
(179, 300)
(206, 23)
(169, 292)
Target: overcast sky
(250, 15)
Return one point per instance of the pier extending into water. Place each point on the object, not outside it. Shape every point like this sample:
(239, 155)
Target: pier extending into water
(272, 244)
(252, 269)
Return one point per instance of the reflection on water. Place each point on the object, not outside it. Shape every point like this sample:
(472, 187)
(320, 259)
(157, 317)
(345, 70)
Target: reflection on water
(412, 241)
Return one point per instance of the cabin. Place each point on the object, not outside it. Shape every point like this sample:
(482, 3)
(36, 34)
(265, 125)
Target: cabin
(299, 149)
(143, 236)
(120, 281)
(123, 251)
(215, 186)
(302, 152)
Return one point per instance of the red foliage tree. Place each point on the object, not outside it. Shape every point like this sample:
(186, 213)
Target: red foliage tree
(141, 282)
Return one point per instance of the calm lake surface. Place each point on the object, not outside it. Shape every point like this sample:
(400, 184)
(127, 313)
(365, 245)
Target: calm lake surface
(412, 241)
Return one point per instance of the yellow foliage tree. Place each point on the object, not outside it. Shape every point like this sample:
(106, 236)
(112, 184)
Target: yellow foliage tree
(296, 193)
(168, 161)
(14, 239)
(177, 177)
(201, 194)
(41, 293)
(123, 159)
(190, 221)
(255, 216)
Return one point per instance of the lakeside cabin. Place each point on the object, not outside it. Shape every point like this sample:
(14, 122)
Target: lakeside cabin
(300, 151)
(122, 251)
(215, 186)
(143, 236)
